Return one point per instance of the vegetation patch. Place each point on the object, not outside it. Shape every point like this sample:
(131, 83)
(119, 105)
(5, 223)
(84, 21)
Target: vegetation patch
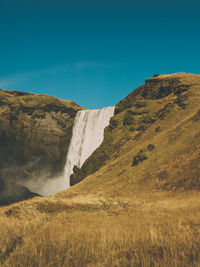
(141, 128)
(157, 129)
(120, 173)
(180, 101)
(162, 113)
(181, 89)
(132, 129)
(140, 104)
(163, 175)
(57, 207)
(151, 147)
(140, 157)
(196, 117)
(128, 120)
(148, 120)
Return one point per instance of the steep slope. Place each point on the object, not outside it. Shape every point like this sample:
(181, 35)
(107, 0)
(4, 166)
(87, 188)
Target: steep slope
(152, 142)
(35, 131)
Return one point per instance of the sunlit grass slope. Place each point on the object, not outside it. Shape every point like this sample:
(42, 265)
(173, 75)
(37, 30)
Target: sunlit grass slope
(152, 143)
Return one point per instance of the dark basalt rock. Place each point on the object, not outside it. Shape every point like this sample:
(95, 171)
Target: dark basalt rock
(77, 176)
(17, 93)
(158, 87)
(154, 88)
(49, 107)
(113, 125)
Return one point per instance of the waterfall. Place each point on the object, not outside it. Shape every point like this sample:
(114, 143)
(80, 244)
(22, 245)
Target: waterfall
(87, 135)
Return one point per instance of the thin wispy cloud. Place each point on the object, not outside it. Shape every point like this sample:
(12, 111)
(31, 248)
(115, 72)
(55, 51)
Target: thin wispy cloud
(16, 78)
(89, 64)
(13, 79)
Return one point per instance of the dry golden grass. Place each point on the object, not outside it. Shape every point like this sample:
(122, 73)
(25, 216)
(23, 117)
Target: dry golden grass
(149, 230)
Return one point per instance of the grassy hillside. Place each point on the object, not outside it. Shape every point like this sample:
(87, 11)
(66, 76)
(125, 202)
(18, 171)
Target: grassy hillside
(35, 131)
(152, 141)
(139, 201)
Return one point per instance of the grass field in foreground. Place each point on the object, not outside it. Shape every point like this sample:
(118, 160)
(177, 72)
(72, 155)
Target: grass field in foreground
(151, 230)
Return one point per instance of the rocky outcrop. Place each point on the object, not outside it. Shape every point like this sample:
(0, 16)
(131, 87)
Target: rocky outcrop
(159, 87)
(35, 131)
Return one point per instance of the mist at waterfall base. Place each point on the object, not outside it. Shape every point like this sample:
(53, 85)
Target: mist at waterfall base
(87, 136)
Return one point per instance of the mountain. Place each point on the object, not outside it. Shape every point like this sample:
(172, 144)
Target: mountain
(152, 141)
(35, 131)
(136, 199)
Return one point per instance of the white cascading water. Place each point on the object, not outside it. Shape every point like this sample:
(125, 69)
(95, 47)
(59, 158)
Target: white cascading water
(87, 135)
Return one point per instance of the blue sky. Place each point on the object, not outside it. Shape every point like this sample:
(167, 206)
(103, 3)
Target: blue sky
(95, 52)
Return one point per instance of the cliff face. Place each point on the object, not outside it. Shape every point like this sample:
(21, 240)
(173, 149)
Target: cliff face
(152, 140)
(35, 131)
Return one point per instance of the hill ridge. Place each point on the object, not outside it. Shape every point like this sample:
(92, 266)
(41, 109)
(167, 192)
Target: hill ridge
(146, 114)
